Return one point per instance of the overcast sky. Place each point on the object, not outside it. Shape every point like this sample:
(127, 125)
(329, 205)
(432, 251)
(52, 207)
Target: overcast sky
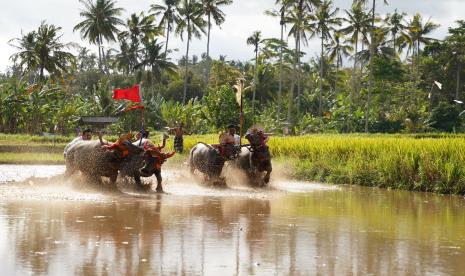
(242, 18)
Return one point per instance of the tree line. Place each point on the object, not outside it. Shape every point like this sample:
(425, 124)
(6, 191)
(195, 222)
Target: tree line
(373, 73)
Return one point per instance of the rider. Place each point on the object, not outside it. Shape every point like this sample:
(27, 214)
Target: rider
(230, 142)
(232, 131)
(120, 145)
(153, 153)
(142, 139)
(85, 136)
(261, 133)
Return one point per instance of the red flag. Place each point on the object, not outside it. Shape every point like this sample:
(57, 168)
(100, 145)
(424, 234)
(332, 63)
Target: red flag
(131, 94)
(133, 107)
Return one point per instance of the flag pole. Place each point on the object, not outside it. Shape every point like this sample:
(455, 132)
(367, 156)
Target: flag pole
(142, 118)
(241, 118)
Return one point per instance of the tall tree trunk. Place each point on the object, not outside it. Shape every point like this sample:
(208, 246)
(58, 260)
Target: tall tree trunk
(291, 92)
(394, 42)
(41, 75)
(99, 45)
(336, 79)
(255, 82)
(207, 64)
(418, 61)
(168, 30)
(457, 89)
(372, 76)
(184, 94)
(320, 97)
(280, 91)
(299, 36)
(299, 70)
(354, 84)
(104, 60)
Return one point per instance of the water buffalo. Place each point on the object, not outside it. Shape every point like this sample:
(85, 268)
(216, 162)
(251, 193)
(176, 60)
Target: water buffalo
(208, 160)
(255, 159)
(95, 162)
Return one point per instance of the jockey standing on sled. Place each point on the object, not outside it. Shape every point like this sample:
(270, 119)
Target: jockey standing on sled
(232, 131)
(230, 143)
(260, 132)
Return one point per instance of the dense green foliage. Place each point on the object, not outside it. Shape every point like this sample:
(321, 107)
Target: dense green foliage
(388, 86)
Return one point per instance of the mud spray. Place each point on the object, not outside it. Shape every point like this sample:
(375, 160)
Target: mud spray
(48, 183)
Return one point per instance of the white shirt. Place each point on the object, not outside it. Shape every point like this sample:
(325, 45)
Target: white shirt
(237, 140)
(144, 142)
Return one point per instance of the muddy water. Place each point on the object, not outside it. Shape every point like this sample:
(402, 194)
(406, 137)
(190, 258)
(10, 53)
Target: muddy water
(293, 228)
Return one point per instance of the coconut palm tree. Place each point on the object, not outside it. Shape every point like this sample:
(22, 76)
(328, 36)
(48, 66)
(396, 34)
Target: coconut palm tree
(323, 23)
(358, 21)
(395, 24)
(255, 39)
(337, 51)
(381, 45)
(372, 54)
(169, 17)
(281, 14)
(155, 60)
(100, 22)
(139, 30)
(42, 50)
(26, 54)
(124, 59)
(191, 23)
(455, 42)
(211, 9)
(416, 35)
(297, 18)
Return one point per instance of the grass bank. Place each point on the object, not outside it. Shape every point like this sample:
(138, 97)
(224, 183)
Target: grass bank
(426, 162)
(403, 162)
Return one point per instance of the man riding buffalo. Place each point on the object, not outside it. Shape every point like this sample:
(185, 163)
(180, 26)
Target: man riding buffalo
(255, 158)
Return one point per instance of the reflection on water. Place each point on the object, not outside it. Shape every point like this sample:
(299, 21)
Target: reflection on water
(331, 232)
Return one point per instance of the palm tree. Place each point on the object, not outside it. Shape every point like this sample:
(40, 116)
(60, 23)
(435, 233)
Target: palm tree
(42, 50)
(124, 59)
(191, 22)
(395, 25)
(100, 22)
(282, 22)
(358, 21)
(255, 40)
(323, 23)
(381, 45)
(169, 17)
(456, 40)
(416, 33)
(372, 54)
(298, 17)
(211, 8)
(139, 30)
(28, 61)
(156, 60)
(337, 50)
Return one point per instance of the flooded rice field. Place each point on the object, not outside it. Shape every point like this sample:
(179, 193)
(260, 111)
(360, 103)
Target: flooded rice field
(50, 226)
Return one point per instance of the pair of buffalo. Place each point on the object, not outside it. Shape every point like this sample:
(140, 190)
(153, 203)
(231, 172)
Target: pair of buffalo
(95, 162)
(254, 159)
